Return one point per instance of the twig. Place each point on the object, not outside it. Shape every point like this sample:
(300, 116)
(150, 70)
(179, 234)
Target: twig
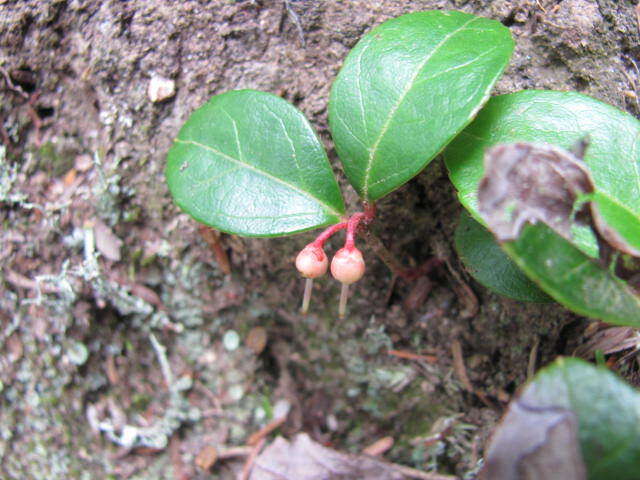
(459, 366)
(465, 294)
(21, 281)
(213, 239)
(11, 86)
(461, 372)
(234, 452)
(379, 446)
(533, 356)
(296, 20)
(256, 437)
(384, 254)
(179, 472)
(414, 473)
(161, 353)
(248, 465)
(413, 356)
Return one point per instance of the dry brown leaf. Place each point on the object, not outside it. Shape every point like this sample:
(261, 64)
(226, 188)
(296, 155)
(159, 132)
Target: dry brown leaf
(257, 339)
(107, 242)
(304, 459)
(535, 443)
(206, 457)
(528, 183)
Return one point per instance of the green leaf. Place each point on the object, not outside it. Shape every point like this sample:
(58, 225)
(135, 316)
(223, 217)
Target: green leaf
(572, 278)
(489, 265)
(249, 163)
(605, 408)
(407, 88)
(621, 221)
(566, 270)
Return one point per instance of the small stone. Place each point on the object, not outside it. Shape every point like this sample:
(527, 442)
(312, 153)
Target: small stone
(257, 339)
(231, 340)
(78, 353)
(161, 89)
(206, 458)
(236, 392)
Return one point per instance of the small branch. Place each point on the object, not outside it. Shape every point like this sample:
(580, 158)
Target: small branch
(414, 473)
(296, 21)
(266, 430)
(413, 356)
(161, 353)
(384, 254)
(378, 447)
(212, 237)
(248, 465)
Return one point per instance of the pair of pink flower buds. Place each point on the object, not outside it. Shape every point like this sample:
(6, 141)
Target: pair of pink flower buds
(347, 265)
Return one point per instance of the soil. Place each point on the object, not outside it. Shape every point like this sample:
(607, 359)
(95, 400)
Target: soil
(85, 391)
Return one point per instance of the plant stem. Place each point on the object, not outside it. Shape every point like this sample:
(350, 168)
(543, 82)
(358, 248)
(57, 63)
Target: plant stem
(306, 299)
(352, 228)
(324, 236)
(344, 294)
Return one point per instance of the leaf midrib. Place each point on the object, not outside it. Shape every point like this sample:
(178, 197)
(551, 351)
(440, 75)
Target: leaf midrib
(374, 148)
(259, 171)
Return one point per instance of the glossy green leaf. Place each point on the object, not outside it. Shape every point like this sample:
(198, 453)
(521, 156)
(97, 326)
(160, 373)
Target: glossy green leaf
(604, 409)
(489, 265)
(249, 163)
(572, 278)
(407, 88)
(565, 270)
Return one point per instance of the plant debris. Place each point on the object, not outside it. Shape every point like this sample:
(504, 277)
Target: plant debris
(527, 183)
(530, 183)
(534, 442)
(304, 459)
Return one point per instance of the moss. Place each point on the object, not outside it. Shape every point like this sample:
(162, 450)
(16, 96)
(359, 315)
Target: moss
(52, 161)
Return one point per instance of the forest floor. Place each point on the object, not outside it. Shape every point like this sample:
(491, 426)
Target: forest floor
(126, 351)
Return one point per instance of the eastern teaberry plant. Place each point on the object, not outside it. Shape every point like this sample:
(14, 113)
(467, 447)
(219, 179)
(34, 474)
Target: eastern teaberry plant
(249, 163)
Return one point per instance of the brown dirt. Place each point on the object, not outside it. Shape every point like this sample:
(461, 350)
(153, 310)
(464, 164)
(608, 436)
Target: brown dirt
(87, 150)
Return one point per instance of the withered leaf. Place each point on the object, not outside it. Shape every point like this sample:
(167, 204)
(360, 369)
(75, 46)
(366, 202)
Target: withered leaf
(571, 421)
(528, 183)
(531, 183)
(304, 459)
(535, 443)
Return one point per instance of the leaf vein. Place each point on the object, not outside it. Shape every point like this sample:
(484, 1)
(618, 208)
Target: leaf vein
(373, 150)
(259, 171)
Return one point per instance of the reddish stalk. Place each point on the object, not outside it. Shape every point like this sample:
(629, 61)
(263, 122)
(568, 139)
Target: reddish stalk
(352, 229)
(328, 233)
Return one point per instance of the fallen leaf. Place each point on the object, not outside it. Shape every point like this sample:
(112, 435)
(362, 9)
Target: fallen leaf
(535, 443)
(206, 457)
(528, 183)
(304, 459)
(257, 339)
(107, 242)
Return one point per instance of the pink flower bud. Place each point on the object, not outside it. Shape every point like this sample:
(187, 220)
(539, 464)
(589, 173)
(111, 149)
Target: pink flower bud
(312, 262)
(347, 266)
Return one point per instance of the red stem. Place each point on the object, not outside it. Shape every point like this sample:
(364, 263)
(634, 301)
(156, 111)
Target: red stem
(366, 217)
(324, 236)
(352, 228)
(369, 212)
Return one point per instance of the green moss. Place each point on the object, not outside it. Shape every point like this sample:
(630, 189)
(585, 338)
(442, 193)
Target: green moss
(52, 161)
